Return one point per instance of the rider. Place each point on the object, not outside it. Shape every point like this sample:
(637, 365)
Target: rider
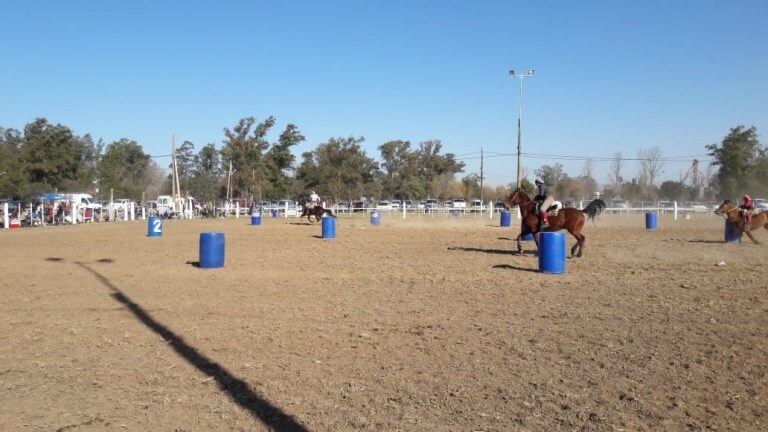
(314, 199)
(747, 207)
(547, 199)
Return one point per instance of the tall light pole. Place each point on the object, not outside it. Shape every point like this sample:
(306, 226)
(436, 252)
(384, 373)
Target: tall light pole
(520, 121)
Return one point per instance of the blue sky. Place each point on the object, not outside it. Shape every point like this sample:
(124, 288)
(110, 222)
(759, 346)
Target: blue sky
(610, 76)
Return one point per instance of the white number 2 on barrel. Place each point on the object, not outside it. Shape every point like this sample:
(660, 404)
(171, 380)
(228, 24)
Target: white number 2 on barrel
(157, 225)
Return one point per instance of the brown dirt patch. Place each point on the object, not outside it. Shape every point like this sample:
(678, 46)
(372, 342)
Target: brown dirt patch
(423, 324)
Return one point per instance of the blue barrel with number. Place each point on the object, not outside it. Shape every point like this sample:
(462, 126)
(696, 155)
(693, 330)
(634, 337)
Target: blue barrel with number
(732, 235)
(329, 227)
(256, 218)
(506, 218)
(375, 218)
(651, 221)
(552, 252)
(211, 250)
(155, 226)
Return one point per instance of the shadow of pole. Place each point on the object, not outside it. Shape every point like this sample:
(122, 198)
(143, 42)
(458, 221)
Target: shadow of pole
(237, 389)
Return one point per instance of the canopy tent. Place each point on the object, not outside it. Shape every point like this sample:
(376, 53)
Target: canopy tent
(51, 197)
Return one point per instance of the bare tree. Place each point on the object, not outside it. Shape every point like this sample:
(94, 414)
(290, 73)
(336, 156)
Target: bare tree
(616, 165)
(587, 172)
(651, 164)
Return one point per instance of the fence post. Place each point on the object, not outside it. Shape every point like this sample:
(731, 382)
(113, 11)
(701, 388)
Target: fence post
(73, 211)
(403, 205)
(518, 213)
(675, 210)
(237, 210)
(490, 209)
(5, 215)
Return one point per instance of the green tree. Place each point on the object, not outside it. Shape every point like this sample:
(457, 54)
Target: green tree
(741, 162)
(244, 147)
(279, 161)
(51, 154)
(125, 169)
(205, 182)
(339, 168)
(673, 190)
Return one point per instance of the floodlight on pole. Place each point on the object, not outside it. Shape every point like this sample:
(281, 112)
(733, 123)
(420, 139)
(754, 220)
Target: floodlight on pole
(521, 76)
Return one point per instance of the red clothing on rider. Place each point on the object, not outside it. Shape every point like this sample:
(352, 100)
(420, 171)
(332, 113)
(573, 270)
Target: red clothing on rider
(748, 206)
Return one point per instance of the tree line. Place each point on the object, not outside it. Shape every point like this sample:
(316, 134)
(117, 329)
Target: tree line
(47, 157)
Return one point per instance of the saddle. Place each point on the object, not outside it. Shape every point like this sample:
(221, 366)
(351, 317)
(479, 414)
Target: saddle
(553, 209)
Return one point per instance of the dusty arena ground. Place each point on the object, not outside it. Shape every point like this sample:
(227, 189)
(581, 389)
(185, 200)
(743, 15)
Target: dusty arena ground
(428, 324)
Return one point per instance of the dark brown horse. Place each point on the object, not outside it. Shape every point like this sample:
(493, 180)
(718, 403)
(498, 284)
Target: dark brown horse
(570, 219)
(733, 215)
(316, 211)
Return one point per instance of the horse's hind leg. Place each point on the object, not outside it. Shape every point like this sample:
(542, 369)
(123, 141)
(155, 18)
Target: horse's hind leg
(581, 240)
(519, 245)
(749, 234)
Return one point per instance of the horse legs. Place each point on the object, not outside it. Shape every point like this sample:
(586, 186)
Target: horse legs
(749, 234)
(519, 245)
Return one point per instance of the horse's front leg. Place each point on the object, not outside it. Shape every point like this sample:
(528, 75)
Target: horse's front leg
(749, 234)
(519, 244)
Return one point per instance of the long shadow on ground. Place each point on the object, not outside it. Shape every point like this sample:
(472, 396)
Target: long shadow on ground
(490, 251)
(237, 389)
(510, 267)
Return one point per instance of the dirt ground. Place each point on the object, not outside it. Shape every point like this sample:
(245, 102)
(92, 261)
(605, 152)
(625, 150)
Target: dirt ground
(427, 324)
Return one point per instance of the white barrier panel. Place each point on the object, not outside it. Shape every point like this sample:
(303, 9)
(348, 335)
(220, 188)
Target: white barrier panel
(490, 209)
(133, 211)
(237, 210)
(5, 216)
(518, 213)
(143, 213)
(74, 213)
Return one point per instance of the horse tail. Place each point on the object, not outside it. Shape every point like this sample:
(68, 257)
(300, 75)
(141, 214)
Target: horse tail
(594, 209)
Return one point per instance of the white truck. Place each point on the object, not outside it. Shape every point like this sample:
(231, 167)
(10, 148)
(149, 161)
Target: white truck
(83, 200)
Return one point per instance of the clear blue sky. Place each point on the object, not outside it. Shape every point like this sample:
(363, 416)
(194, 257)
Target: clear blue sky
(610, 76)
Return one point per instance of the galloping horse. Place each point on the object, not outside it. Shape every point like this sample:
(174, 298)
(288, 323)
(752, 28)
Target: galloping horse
(316, 211)
(733, 215)
(570, 219)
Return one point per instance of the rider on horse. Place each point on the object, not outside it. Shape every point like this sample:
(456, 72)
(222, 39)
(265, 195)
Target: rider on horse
(546, 199)
(746, 208)
(314, 199)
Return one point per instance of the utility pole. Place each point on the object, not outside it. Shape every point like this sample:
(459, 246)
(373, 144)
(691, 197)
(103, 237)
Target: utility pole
(520, 121)
(482, 177)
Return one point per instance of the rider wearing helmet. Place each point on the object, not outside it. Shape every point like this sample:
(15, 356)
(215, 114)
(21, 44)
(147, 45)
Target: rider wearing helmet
(547, 199)
(747, 207)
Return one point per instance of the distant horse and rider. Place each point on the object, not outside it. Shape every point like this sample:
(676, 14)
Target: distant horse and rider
(743, 218)
(545, 214)
(312, 207)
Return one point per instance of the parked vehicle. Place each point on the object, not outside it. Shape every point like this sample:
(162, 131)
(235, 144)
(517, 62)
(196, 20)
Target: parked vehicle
(359, 207)
(499, 206)
(476, 206)
(430, 205)
(459, 204)
(83, 200)
(619, 204)
(395, 204)
(383, 206)
(666, 204)
(760, 203)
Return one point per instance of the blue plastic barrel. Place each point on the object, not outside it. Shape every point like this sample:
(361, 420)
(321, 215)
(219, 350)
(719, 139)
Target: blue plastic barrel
(211, 250)
(155, 226)
(506, 218)
(527, 237)
(552, 252)
(256, 218)
(651, 221)
(455, 213)
(375, 218)
(329, 227)
(732, 235)
(275, 213)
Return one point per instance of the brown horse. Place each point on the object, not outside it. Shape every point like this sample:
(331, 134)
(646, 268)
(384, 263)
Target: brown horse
(570, 219)
(316, 211)
(733, 215)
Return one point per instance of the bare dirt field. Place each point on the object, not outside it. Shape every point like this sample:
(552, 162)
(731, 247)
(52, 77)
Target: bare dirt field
(428, 324)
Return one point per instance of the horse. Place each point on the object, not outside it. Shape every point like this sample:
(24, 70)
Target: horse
(316, 211)
(570, 219)
(733, 215)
